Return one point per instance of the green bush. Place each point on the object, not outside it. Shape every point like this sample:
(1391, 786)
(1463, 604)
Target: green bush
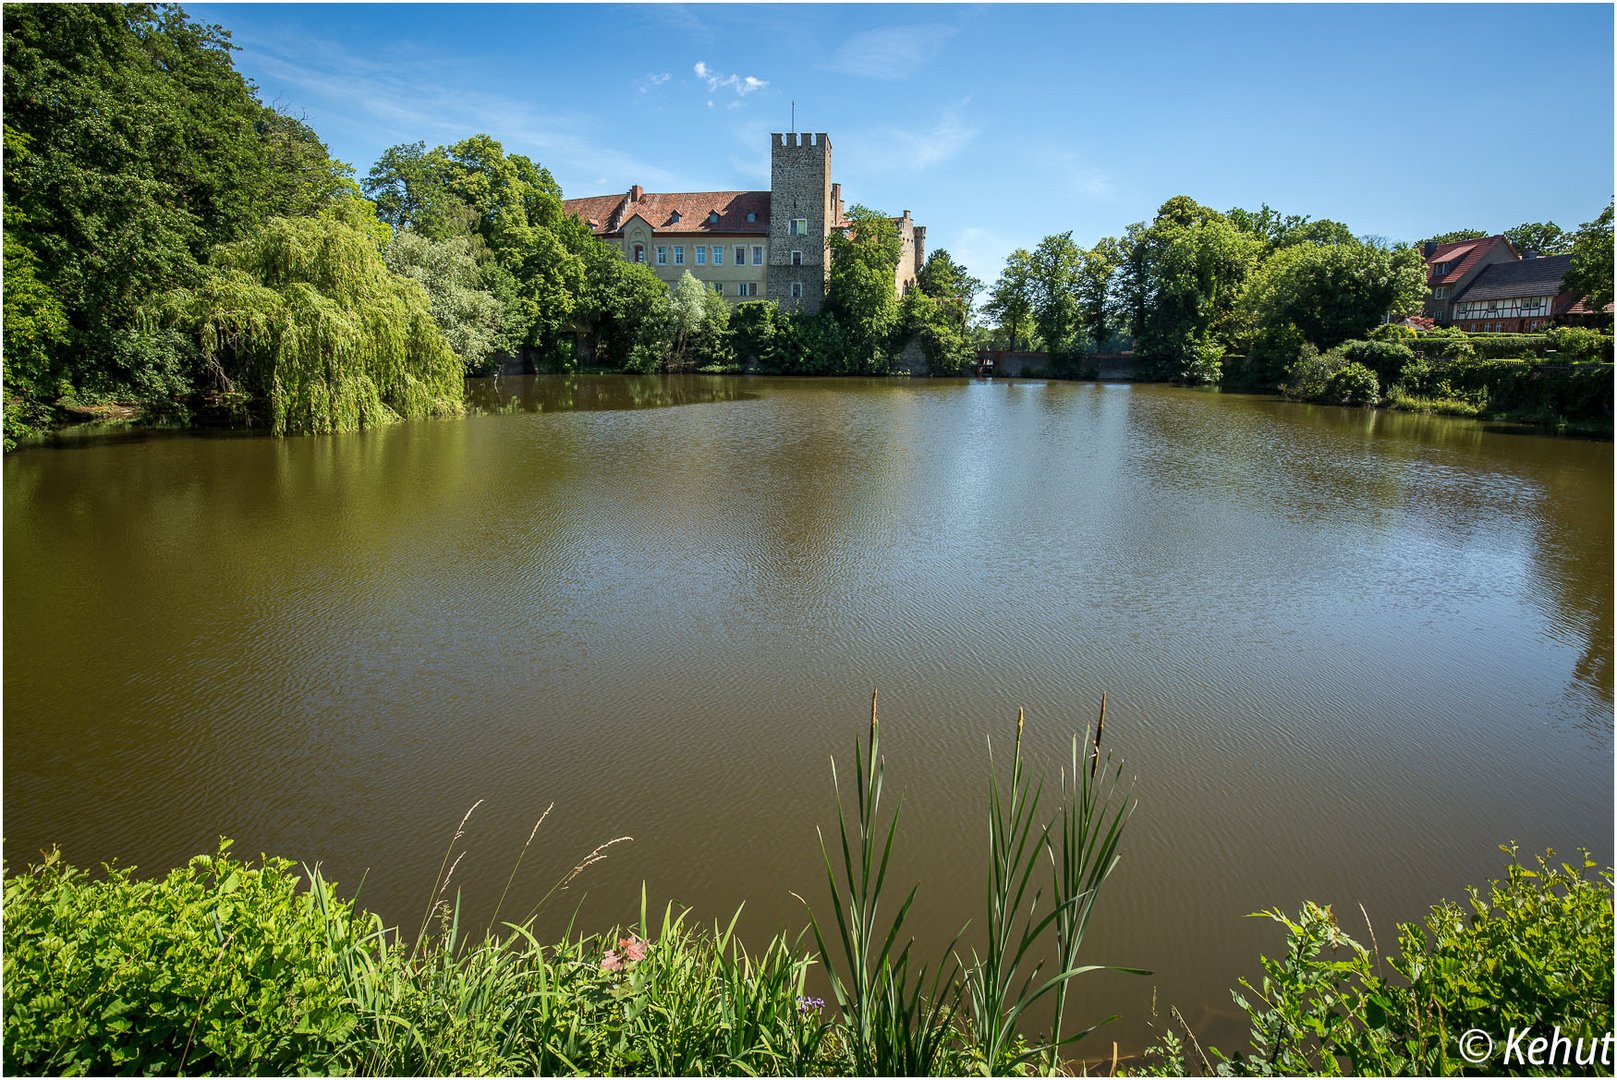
(1206, 366)
(1386, 359)
(1580, 343)
(1353, 384)
(217, 968)
(1308, 376)
(1532, 951)
(1444, 343)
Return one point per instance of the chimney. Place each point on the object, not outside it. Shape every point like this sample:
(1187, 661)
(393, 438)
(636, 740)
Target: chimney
(636, 193)
(1431, 248)
(836, 203)
(1528, 253)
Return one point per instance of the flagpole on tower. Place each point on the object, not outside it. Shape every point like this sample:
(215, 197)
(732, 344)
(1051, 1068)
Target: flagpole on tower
(794, 117)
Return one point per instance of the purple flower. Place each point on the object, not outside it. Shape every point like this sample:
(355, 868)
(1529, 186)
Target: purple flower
(806, 1005)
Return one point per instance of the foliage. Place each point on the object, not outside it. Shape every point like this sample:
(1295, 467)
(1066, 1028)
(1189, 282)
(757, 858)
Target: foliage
(1543, 237)
(218, 968)
(1453, 236)
(1277, 231)
(1010, 302)
(1181, 278)
(755, 327)
(1579, 343)
(1336, 292)
(468, 316)
(132, 147)
(938, 313)
(1594, 250)
(1056, 268)
(1532, 951)
(1207, 367)
(1353, 384)
(859, 291)
(306, 315)
(1387, 359)
(700, 320)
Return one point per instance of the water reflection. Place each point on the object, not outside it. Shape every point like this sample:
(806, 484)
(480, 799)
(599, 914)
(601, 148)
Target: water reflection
(552, 393)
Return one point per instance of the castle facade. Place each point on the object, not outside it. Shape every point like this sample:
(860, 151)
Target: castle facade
(746, 244)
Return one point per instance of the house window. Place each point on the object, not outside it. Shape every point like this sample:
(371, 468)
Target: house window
(797, 258)
(712, 217)
(679, 254)
(752, 216)
(673, 219)
(799, 226)
(1440, 292)
(757, 254)
(718, 287)
(640, 253)
(746, 288)
(797, 290)
(662, 255)
(741, 255)
(1442, 268)
(718, 255)
(701, 256)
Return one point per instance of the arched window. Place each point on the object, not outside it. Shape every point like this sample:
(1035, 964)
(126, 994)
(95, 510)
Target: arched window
(640, 253)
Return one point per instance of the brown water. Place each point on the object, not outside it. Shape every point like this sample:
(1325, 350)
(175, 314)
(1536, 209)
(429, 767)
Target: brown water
(1348, 653)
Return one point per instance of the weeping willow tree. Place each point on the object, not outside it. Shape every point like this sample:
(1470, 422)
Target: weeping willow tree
(303, 314)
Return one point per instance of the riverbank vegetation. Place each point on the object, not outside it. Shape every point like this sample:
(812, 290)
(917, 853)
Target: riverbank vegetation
(231, 967)
(1257, 300)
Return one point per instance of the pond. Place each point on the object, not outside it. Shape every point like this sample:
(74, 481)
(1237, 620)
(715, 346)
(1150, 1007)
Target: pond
(1347, 653)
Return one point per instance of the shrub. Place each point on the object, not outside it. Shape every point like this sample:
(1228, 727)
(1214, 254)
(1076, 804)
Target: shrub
(1206, 365)
(1308, 376)
(1580, 343)
(1386, 359)
(216, 968)
(1392, 332)
(1534, 951)
(1353, 384)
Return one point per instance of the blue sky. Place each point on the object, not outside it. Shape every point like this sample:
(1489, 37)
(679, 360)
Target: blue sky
(994, 124)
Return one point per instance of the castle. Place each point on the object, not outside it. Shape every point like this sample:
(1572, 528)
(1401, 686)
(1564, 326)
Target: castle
(746, 244)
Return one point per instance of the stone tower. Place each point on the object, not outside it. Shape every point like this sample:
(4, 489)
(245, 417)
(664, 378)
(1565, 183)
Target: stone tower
(800, 218)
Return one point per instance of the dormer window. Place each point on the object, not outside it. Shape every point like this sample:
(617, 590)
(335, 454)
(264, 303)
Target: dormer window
(752, 217)
(1442, 268)
(673, 219)
(712, 217)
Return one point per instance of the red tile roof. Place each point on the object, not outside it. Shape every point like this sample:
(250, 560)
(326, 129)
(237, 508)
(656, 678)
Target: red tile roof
(1463, 255)
(607, 214)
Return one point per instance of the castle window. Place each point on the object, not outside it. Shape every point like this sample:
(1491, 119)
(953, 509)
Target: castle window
(640, 253)
(797, 258)
(679, 254)
(673, 219)
(797, 290)
(746, 288)
(701, 256)
(757, 254)
(662, 255)
(741, 255)
(718, 255)
(752, 216)
(712, 217)
(799, 226)
(718, 287)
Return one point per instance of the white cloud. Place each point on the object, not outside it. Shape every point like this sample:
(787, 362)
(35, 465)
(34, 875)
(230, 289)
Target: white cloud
(741, 84)
(653, 80)
(896, 149)
(894, 52)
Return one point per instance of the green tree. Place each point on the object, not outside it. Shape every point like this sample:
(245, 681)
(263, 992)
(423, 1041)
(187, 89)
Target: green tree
(860, 292)
(305, 316)
(1057, 262)
(410, 185)
(1544, 237)
(1183, 276)
(755, 329)
(1593, 251)
(468, 315)
(1094, 289)
(1453, 236)
(1332, 293)
(1010, 302)
(938, 313)
(1278, 230)
(144, 147)
(624, 309)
